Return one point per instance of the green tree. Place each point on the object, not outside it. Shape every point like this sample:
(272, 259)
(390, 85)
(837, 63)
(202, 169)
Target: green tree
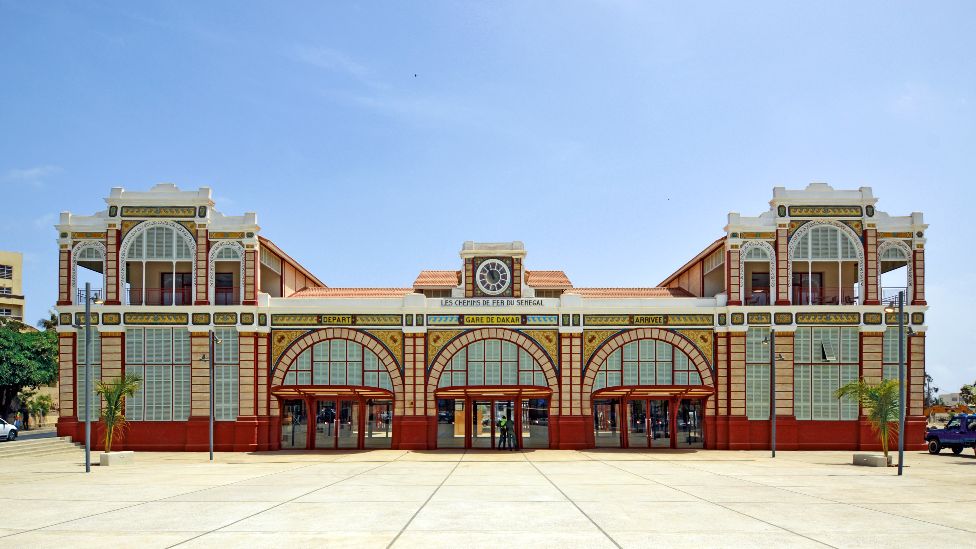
(113, 414)
(930, 391)
(880, 403)
(968, 394)
(28, 359)
(49, 323)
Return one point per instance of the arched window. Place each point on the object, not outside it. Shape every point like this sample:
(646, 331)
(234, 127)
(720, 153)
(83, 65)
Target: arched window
(90, 256)
(157, 264)
(647, 362)
(492, 362)
(826, 265)
(226, 273)
(894, 270)
(338, 362)
(758, 264)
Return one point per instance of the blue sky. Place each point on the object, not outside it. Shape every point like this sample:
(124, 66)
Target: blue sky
(612, 137)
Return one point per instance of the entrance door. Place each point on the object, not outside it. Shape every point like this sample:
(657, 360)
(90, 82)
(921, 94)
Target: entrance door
(535, 423)
(347, 430)
(379, 422)
(659, 423)
(606, 433)
(294, 425)
(450, 423)
(482, 425)
(637, 431)
(325, 424)
(690, 415)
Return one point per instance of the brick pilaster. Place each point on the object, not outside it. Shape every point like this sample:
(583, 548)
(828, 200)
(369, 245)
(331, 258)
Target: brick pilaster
(200, 375)
(261, 379)
(916, 374)
(737, 374)
(918, 272)
(66, 374)
(784, 374)
(734, 277)
(783, 283)
(112, 267)
(573, 402)
(203, 266)
(64, 277)
(872, 349)
(871, 291)
(246, 378)
(250, 277)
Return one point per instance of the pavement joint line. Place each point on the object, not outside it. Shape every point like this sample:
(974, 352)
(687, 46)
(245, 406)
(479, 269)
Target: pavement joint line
(569, 499)
(279, 504)
(722, 506)
(424, 504)
(209, 487)
(827, 501)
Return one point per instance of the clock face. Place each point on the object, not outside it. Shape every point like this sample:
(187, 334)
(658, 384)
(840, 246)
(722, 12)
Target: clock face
(493, 277)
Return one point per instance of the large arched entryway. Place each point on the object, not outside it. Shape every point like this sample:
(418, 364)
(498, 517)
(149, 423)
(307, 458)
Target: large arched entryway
(490, 383)
(336, 389)
(648, 388)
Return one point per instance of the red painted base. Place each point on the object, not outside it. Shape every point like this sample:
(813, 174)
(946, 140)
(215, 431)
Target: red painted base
(250, 434)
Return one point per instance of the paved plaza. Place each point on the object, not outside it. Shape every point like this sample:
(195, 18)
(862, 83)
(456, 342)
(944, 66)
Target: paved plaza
(471, 499)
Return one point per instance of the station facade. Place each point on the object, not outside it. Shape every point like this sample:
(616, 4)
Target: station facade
(201, 306)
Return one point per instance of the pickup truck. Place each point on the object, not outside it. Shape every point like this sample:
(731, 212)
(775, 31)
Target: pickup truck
(958, 434)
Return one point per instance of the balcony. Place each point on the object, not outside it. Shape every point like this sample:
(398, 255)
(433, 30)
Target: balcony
(758, 296)
(824, 296)
(227, 296)
(160, 296)
(96, 295)
(889, 295)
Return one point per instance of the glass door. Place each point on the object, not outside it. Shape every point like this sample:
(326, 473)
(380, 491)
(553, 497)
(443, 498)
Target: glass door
(450, 423)
(325, 424)
(482, 425)
(379, 422)
(294, 425)
(505, 437)
(535, 423)
(690, 414)
(659, 423)
(348, 425)
(637, 435)
(606, 433)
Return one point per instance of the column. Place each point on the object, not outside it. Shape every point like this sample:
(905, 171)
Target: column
(197, 434)
(111, 355)
(111, 295)
(414, 422)
(66, 377)
(572, 422)
(203, 266)
(872, 349)
(871, 290)
(64, 276)
(734, 276)
(918, 271)
(783, 282)
(250, 294)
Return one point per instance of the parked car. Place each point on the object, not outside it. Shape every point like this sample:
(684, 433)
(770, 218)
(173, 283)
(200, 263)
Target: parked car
(958, 434)
(7, 430)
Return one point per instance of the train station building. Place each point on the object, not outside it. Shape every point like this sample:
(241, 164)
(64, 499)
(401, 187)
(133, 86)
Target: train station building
(202, 305)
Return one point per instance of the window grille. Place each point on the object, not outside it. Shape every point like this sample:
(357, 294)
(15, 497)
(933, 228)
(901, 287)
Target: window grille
(647, 362)
(6, 271)
(826, 357)
(714, 260)
(893, 253)
(96, 399)
(757, 254)
(225, 392)
(89, 253)
(757, 391)
(161, 358)
(226, 351)
(825, 243)
(492, 362)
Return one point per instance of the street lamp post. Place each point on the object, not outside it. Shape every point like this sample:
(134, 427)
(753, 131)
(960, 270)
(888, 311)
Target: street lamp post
(213, 339)
(772, 389)
(901, 376)
(88, 373)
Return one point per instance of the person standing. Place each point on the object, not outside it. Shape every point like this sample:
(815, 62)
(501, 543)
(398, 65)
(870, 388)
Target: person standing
(512, 444)
(503, 428)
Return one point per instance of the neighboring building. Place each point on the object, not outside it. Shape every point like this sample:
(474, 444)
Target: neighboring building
(952, 399)
(12, 285)
(298, 364)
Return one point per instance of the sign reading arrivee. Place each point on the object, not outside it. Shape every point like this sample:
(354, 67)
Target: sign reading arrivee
(495, 302)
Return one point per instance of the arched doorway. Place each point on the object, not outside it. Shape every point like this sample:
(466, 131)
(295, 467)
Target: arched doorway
(648, 388)
(487, 378)
(336, 389)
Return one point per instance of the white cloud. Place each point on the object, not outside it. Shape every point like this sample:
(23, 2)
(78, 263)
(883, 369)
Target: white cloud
(330, 59)
(32, 176)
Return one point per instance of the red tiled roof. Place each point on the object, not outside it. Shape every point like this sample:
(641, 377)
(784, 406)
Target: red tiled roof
(437, 279)
(547, 279)
(352, 292)
(630, 292)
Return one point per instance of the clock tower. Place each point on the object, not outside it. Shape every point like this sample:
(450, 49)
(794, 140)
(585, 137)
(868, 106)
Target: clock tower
(492, 269)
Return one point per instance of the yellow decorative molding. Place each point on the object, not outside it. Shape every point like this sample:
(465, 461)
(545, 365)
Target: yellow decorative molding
(703, 339)
(280, 340)
(88, 236)
(437, 339)
(164, 319)
(548, 340)
(825, 211)
(128, 226)
(159, 211)
(592, 339)
(221, 235)
(393, 339)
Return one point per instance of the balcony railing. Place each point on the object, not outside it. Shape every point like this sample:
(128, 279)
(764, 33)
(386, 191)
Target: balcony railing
(96, 294)
(160, 296)
(889, 294)
(757, 296)
(227, 296)
(824, 296)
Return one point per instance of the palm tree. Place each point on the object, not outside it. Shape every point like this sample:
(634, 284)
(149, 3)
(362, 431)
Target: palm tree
(113, 414)
(880, 403)
(49, 323)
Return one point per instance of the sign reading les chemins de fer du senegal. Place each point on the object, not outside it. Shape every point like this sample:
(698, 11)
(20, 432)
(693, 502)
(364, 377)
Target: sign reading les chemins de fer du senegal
(496, 302)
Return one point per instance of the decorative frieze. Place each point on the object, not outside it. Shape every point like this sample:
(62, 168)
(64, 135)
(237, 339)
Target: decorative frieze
(262, 319)
(825, 211)
(892, 318)
(158, 211)
(111, 319)
(225, 319)
(336, 320)
(492, 320)
(757, 235)
(65, 319)
(905, 234)
(918, 318)
(759, 318)
(872, 318)
(80, 318)
(703, 339)
(160, 319)
(223, 235)
(281, 339)
(200, 319)
(828, 318)
(247, 319)
(738, 319)
(649, 320)
(88, 236)
(783, 318)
